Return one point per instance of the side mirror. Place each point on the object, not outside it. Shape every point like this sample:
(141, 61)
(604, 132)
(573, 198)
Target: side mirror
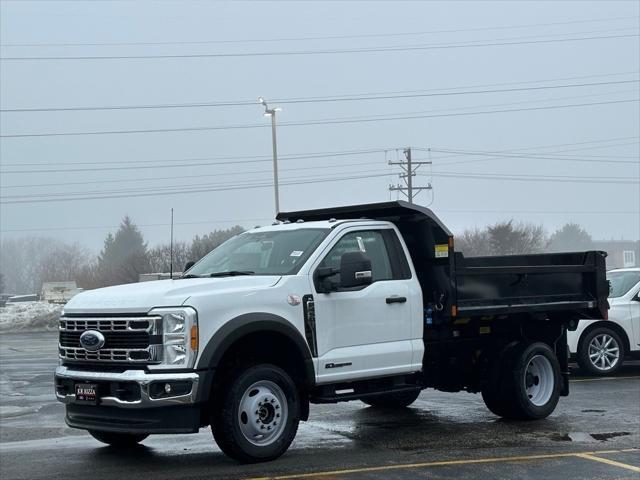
(355, 270)
(324, 283)
(188, 266)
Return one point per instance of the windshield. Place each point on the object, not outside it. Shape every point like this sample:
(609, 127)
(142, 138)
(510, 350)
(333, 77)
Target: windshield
(622, 282)
(261, 253)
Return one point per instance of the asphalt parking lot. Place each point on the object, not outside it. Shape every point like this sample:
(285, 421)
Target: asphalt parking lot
(594, 433)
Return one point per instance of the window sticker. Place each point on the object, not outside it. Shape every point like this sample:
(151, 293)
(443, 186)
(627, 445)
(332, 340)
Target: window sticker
(442, 251)
(296, 253)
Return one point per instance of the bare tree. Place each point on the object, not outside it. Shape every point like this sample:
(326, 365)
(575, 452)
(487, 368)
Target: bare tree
(28, 262)
(200, 246)
(473, 243)
(160, 257)
(510, 238)
(502, 238)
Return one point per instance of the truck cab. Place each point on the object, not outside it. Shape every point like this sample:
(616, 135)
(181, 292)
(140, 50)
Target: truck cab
(366, 302)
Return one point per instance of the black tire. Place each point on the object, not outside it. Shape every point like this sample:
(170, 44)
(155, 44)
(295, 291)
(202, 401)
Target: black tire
(392, 400)
(600, 365)
(118, 440)
(494, 402)
(526, 383)
(230, 415)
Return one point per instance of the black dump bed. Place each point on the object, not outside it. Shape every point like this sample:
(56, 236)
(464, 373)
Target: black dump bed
(571, 285)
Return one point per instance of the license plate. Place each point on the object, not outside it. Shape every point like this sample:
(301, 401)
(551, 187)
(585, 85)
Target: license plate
(87, 393)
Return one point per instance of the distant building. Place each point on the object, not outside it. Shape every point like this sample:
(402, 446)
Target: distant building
(31, 297)
(59, 292)
(620, 253)
(149, 277)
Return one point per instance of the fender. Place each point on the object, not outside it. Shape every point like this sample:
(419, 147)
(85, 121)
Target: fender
(243, 325)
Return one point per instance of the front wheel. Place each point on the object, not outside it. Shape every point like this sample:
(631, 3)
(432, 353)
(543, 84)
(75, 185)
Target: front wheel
(118, 440)
(392, 400)
(258, 415)
(527, 385)
(601, 352)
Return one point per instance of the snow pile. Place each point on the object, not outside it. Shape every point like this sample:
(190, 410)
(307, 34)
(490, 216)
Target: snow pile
(29, 316)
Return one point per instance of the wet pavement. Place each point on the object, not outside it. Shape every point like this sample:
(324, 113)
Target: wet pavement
(594, 433)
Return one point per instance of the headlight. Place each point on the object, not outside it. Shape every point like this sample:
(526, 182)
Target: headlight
(179, 330)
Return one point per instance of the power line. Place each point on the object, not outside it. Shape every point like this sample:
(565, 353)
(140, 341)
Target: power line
(312, 122)
(320, 52)
(178, 177)
(537, 178)
(341, 98)
(539, 157)
(290, 157)
(166, 192)
(328, 177)
(204, 163)
(325, 37)
(201, 188)
(305, 155)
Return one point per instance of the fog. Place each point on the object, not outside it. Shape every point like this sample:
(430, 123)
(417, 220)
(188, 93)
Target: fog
(529, 109)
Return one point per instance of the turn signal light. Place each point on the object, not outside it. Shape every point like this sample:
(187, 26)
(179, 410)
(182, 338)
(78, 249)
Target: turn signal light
(194, 338)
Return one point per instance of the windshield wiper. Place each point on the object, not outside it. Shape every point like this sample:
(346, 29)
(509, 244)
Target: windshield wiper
(190, 275)
(231, 273)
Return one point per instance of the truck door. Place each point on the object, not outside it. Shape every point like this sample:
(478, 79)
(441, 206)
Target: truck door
(369, 331)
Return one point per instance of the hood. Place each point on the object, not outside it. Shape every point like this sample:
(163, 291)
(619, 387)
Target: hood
(141, 297)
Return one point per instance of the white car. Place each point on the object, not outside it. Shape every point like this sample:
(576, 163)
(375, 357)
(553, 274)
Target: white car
(601, 345)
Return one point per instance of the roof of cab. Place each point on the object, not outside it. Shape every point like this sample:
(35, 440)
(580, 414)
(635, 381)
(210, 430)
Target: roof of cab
(326, 224)
(398, 211)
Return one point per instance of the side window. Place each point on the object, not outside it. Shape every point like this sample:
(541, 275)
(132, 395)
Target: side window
(372, 244)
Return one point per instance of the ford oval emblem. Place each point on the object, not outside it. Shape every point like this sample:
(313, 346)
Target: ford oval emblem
(92, 340)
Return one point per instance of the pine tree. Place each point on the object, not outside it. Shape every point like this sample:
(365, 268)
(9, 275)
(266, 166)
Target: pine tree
(570, 238)
(124, 255)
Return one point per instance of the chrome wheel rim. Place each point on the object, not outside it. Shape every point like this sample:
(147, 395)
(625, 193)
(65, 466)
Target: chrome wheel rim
(539, 380)
(262, 413)
(604, 352)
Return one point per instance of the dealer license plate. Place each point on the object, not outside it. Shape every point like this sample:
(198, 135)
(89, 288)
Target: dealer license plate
(87, 393)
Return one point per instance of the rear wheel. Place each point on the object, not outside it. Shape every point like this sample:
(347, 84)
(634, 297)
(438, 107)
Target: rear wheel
(526, 385)
(601, 352)
(258, 415)
(120, 440)
(392, 400)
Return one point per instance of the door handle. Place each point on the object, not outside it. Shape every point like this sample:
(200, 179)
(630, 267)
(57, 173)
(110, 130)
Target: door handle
(396, 299)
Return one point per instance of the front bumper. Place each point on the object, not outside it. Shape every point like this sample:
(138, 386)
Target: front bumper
(128, 389)
(126, 401)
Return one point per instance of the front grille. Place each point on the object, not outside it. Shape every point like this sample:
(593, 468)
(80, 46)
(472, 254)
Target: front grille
(133, 339)
(112, 339)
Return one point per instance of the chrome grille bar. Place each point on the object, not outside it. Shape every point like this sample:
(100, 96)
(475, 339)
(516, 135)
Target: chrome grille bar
(108, 324)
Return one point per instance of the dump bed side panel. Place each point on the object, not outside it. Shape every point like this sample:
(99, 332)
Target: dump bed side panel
(558, 281)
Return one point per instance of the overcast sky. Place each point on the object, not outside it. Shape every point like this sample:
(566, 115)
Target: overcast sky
(551, 86)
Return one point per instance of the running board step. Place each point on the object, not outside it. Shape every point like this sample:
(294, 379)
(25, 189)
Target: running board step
(345, 392)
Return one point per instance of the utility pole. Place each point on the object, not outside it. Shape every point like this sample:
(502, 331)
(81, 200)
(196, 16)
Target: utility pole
(271, 112)
(409, 168)
(171, 248)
